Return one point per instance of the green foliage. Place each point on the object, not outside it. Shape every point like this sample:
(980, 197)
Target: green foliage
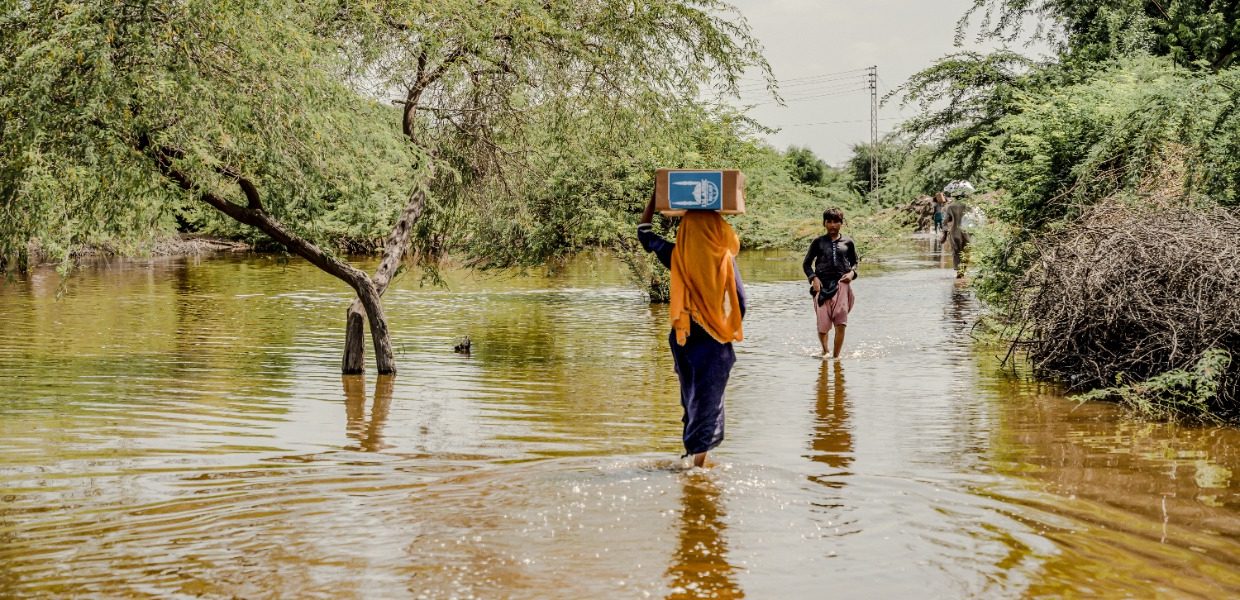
(1191, 32)
(783, 213)
(807, 168)
(1000, 256)
(1116, 116)
(891, 153)
(1205, 32)
(586, 189)
(496, 95)
(546, 120)
(1191, 393)
(911, 171)
(1066, 146)
(227, 88)
(589, 182)
(962, 97)
(543, 132)
(1215, 173)
(1140, 127)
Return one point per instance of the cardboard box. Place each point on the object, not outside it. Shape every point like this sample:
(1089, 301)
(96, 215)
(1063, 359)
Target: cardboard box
(679, 190)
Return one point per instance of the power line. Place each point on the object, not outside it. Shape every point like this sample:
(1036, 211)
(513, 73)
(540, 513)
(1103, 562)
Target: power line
(809, 86)
(826, 85)
(826, 78)
(806, 95)
(826, 94)
(808, 89)
(817, 96)
(804, 77)
(808, 82)
(837, 122)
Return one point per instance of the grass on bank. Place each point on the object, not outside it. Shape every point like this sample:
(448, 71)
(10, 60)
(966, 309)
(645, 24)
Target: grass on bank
(790, 218)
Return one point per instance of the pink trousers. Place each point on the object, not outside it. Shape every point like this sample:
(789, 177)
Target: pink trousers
(834, 311)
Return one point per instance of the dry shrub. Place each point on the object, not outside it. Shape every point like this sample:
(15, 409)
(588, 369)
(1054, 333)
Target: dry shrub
(920, 212)
(1137, 297)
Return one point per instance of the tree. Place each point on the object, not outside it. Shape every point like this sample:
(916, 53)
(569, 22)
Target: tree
(962, 96)
(1192, 32)
(115, 116)
(477, 82)
(892, 152)
(806, 167)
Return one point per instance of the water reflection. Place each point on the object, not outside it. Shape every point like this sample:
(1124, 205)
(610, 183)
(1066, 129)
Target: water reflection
(1129, 489)
(174, 428)
(367, 432)
(960, 310)
(700, 567)
(833, 438)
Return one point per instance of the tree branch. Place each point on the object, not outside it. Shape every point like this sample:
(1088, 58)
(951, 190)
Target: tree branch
(253, 198)
(423, 80)
(164, 157)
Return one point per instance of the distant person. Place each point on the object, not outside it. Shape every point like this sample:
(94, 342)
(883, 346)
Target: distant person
(939, 201)
(831, 266)
(707, 304)
(953, 230)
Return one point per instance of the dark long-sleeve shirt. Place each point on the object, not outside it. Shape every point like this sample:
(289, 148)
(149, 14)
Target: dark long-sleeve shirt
(830, 259)
(662, 250)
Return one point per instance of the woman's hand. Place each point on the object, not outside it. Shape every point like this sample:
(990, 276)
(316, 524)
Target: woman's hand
(648, 215)
(847, 277)
(815, 285)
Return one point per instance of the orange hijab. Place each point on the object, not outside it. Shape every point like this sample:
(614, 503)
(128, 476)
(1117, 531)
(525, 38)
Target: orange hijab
(703, 279)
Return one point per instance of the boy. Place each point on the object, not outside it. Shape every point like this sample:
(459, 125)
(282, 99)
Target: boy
(939, 202)
(831, 266)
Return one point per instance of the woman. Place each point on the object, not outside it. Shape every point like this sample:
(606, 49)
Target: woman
(707, 304)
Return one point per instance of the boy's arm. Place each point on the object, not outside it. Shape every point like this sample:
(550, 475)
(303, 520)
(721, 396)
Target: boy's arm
(852, 259)
(808, 264)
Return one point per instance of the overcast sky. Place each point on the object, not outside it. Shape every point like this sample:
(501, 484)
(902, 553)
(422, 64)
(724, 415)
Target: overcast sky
(818, 50)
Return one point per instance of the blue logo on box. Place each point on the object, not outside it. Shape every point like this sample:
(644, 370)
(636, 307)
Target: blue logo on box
(695, 190)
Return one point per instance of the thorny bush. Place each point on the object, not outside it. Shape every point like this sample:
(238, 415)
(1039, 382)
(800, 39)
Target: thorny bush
(1132, 293)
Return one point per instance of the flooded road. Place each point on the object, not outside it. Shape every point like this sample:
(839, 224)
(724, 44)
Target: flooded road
(179, 428)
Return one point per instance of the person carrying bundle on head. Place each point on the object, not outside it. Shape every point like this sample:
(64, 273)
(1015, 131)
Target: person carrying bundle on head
(707, 305)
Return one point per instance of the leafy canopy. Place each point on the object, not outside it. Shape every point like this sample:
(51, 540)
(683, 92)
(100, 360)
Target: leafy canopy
(230, 89)
(1202, 33)
(545, 120)
(292, 98)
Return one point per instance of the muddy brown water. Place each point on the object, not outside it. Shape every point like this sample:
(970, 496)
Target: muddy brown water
(178, 428)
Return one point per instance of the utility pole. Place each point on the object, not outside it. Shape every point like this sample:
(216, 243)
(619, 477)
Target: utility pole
(873, 81)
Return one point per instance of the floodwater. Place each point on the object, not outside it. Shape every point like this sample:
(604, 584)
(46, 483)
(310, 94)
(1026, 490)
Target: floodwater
(178, 428)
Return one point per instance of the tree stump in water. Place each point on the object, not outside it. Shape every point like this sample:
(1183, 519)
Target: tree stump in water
(354, 360)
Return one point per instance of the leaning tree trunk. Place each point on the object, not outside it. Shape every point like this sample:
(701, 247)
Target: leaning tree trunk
(254, 215)
(354, 360)
(385, 361)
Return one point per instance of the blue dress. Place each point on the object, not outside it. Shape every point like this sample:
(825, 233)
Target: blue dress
(702, 364)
